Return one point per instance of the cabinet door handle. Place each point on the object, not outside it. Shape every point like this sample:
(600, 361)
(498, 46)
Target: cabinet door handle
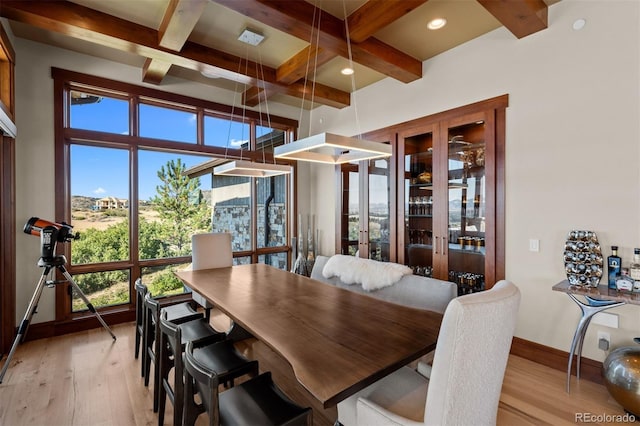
(435, 246)
(444, 244)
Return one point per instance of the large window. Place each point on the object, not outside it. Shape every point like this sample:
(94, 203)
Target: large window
(126, 151)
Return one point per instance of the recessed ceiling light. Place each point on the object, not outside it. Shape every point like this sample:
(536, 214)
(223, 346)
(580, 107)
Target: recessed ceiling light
(346, 71)
(437, 23)
(579, 24)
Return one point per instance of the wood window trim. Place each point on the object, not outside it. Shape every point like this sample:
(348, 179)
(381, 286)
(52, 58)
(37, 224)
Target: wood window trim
(7, 196)
(7, 75)
(65, 80)
(7, 243)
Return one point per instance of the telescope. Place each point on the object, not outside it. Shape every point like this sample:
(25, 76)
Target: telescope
(50, 234)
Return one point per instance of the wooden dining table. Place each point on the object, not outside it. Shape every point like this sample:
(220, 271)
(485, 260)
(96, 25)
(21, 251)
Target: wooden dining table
(336, 341)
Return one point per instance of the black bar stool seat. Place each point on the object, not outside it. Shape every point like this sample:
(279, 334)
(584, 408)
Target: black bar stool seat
(257, 401)
(226, 361)
(260, 402)
(173, 338)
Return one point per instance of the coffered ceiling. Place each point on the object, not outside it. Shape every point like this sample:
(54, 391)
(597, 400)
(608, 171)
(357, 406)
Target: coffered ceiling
(294, 62)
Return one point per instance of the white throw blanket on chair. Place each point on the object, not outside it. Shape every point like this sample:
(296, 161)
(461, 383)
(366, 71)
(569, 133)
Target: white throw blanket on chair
(373, 275)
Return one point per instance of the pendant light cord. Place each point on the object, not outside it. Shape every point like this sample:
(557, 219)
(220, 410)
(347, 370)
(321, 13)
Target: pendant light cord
(317, 14)
(233, 107)
(260, 72)
(353, 78)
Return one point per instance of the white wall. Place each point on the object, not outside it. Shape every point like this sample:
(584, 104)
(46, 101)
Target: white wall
(572, 154)
(35, 146)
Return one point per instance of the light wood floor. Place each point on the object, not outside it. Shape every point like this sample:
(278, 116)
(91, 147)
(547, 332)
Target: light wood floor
(87, 379)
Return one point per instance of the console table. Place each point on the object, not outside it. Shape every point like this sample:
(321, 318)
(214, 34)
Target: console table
(597, 299)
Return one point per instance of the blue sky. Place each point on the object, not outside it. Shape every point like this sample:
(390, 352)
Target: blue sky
(104, 172)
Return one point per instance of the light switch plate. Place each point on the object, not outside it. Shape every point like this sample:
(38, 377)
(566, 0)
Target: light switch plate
(534, 245)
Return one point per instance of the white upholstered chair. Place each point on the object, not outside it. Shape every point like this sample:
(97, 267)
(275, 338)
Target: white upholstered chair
(210, 250)
(463, 386)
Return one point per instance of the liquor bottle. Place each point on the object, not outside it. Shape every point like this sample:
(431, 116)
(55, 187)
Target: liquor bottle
(614, 264)
(634, 268)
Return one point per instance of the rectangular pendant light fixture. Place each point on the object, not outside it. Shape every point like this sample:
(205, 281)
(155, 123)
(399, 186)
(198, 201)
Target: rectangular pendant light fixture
(328, 148)
(251, 169)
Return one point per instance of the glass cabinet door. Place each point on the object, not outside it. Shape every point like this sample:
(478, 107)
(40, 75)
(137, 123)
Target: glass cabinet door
(468, 217)
(366, 216)
(378, 234)
(419, 201)
(350, 220)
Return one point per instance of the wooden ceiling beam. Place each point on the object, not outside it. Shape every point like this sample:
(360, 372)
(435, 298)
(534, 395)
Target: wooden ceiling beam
(303, 62)
(90, 25)
(297, 19)
(179, 19)
(522, 18)
(251, 96)
(178, 22)
(363, 23)
(154, 70)
(377, 14)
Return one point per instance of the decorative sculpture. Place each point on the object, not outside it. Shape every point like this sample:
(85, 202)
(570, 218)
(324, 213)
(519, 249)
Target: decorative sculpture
(621, 370)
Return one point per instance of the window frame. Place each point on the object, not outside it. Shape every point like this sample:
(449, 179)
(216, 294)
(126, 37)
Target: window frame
(66, 81)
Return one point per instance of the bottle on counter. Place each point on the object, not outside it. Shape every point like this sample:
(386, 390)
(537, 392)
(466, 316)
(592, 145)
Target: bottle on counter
(634, 268)
(614, 265)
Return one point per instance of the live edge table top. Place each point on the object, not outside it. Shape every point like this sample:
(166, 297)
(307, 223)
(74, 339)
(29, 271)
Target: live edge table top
(337, 341)
(602, 292)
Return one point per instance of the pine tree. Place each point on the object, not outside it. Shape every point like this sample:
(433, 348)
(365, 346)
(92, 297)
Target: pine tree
(181, 206)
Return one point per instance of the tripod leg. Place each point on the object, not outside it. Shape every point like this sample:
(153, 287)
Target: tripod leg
(24, 325)
(85, 300)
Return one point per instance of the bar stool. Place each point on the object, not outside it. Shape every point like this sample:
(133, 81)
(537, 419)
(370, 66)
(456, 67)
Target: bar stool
(173, 338)
(226, 361)
(178, 311)
(141, 291)
(257, 401)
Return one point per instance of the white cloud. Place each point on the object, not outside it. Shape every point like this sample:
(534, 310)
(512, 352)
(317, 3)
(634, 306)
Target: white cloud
(99, 191)
(236, 142)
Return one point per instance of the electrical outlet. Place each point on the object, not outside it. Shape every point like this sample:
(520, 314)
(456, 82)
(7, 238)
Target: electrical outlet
(604, 340)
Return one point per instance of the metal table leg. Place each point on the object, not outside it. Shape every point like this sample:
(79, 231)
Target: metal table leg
(589, 309)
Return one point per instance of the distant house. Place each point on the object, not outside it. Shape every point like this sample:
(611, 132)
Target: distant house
(107, 203)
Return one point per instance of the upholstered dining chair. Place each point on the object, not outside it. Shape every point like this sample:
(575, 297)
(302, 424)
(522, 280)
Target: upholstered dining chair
(210, 250)
(463, 385)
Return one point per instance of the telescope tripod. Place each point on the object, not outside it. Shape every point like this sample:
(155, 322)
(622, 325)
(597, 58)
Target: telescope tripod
(48, 265)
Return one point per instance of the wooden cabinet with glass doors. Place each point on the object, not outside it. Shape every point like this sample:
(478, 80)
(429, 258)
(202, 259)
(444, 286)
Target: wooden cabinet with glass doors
(450, 197)
(446, 195)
